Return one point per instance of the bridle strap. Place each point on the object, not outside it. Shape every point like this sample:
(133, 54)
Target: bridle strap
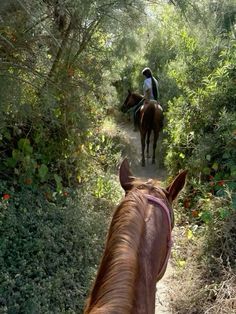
(159, 202)
(164, 207)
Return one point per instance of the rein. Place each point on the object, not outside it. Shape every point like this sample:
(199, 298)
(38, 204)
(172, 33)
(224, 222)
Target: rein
(163, 206)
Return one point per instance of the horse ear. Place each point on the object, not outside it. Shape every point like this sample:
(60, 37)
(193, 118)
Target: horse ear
(125, 175)
(176, 186)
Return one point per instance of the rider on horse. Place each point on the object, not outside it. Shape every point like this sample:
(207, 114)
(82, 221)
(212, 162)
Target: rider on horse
(150, 90)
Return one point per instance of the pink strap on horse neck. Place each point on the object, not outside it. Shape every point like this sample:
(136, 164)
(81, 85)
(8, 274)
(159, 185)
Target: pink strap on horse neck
(159, 202)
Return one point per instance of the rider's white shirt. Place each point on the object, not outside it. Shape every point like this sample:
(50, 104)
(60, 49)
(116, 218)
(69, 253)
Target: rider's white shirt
(148, 85)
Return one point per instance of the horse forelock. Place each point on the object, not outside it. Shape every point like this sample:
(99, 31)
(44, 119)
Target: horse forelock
(150, 185)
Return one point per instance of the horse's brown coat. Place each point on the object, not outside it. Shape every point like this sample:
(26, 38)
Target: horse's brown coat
(135, 250)
(150, 118)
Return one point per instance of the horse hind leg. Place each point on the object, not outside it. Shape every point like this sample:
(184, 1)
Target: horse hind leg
(148, 142)
(143, 137)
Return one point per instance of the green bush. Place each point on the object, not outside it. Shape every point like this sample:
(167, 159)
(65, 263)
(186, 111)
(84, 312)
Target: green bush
(49, 249)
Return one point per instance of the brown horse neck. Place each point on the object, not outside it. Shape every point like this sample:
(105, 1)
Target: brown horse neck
(134, 252)
(137, 97)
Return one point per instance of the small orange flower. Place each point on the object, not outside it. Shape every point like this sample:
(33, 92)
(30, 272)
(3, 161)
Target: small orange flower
(195, 213)
(48, 196)
(212, 183)
(186, 203)
(6, 196)
(65, 193)
(221, 183)
(70, 72)
(28, 181)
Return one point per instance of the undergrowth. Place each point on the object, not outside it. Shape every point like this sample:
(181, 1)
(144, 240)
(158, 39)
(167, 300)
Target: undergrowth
(52, 236)
(205, 255)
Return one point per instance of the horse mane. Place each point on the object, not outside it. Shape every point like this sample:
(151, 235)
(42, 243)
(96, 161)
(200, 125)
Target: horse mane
(113, 288)
(137, 95)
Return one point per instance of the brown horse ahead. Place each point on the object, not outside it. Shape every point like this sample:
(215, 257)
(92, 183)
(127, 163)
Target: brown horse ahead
(150, 118)
(137, 247)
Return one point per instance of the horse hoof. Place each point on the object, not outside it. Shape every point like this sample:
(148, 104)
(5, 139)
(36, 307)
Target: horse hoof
(153, 162)
(143, 163)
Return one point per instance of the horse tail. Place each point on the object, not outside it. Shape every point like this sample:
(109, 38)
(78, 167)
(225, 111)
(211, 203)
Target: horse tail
(148, 115)
(156, 111)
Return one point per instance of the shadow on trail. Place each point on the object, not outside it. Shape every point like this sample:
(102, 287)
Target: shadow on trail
(156, 171)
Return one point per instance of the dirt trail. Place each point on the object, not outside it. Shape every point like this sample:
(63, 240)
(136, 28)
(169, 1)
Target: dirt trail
(164, 292)
(156, 171)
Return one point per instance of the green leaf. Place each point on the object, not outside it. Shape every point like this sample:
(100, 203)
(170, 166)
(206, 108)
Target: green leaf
(43, 170)
(226, 155)
(215, 166)
(58, 180)
(233, 171)
(232, 185)
(234, 201)
(206, 170)
(189, 234)
(11, 162)
(181, 263)
(16, 154)
(7, 135)
(24, 146)
(206, 216)
(224, 213)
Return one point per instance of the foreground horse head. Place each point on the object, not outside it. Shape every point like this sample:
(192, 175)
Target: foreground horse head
(137, 247)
